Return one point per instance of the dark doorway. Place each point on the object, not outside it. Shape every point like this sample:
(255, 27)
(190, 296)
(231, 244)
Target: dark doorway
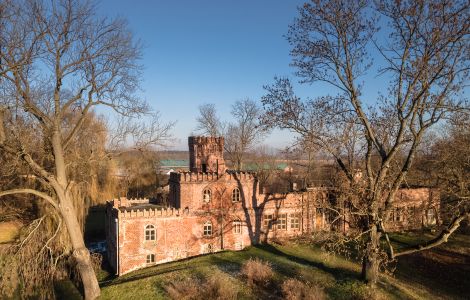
(204, 168)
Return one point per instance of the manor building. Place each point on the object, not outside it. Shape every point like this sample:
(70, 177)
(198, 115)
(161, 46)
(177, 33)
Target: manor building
(213, 209)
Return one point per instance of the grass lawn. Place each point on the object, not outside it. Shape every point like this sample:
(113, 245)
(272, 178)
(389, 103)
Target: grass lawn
(441, 273)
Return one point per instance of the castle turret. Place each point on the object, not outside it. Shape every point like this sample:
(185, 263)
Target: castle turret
(206, 154)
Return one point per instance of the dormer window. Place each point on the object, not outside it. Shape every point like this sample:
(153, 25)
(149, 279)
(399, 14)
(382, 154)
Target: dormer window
(206, 195)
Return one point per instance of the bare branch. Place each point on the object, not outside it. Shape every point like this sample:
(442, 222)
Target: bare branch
(30, 191)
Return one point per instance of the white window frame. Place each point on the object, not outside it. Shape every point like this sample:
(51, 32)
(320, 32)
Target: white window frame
(237, 226)
(295, 221)
(268, 221)
(150, 233)
(207, 229)
(150, 258)
(281, 222)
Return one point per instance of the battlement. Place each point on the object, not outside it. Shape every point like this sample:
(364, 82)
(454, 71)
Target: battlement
(211, 176)
(206, 140)
(194, 176)
(152, 212)
(241, 175)
(125, 202)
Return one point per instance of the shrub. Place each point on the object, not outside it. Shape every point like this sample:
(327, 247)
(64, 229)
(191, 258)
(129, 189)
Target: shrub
(293, 289)
(257, 271)
(186, 289)
(219, 287)
(216, 287)
(357, 291)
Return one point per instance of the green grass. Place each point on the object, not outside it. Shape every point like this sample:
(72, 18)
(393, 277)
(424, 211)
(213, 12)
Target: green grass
(441, 273)
(338, 276)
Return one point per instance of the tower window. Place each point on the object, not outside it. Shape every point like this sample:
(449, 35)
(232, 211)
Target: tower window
(236, 195)
(208, 228)
(206, 195)
(150, 233)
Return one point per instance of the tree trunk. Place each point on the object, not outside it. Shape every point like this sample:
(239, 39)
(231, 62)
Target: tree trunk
(370, 261)
(80, 253)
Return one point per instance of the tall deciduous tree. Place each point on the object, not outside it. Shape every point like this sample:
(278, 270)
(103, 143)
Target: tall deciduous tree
(241, 134)
(59, 58)
(208, 122)
(422, 52)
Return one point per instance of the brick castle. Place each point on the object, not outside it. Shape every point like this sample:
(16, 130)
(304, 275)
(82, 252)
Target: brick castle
(213, 209)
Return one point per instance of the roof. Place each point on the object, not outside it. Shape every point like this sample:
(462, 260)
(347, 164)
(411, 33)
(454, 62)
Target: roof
(266, 166)
(174, 163)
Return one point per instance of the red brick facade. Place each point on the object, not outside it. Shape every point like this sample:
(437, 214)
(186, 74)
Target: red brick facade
(223, 210)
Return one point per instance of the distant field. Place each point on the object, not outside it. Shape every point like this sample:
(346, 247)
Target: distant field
(438, 274)
(9, 231)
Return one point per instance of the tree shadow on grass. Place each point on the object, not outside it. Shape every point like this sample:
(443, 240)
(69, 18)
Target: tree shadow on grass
(440, 268)
(338, 273)
(142, 275)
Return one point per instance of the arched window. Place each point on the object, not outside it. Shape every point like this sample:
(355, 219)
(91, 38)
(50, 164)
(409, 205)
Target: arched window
(236, 195)
(206, 195)
(237, 226)
(208, 228)
(150, 233)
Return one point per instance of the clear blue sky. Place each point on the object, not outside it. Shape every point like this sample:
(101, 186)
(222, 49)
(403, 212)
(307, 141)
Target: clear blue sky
(209, 52)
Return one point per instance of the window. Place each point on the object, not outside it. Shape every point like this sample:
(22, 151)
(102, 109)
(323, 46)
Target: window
(411, 213)
(282, 221)
(238, 245)
(268, 221)
(398, 214)
(206, 195)
(150, 258)
(237, 226)
(236, 195)
(208, 228)
(295, 221)
(150, 233)
(431, 216)
(208, 248)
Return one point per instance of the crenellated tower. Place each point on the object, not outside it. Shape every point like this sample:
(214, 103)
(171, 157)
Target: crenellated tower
(206, 154)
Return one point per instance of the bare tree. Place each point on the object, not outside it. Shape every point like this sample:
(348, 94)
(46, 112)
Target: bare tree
(59, 58)
(208, 122)
(241, 134)
(424, 60)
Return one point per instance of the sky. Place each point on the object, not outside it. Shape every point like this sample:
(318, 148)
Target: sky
(203, 51)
